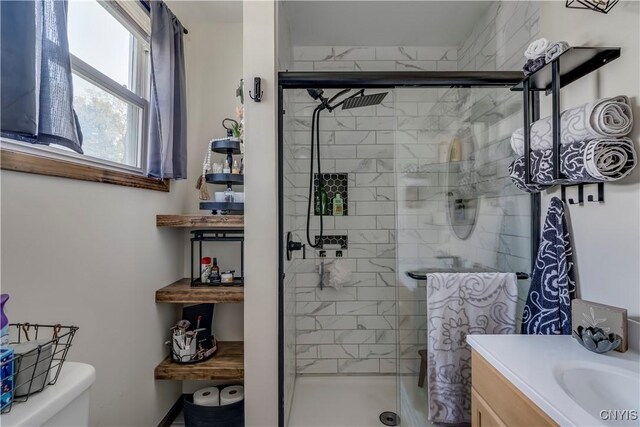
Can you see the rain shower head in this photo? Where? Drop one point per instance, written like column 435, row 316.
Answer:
column 363, row 100
column 356, row 100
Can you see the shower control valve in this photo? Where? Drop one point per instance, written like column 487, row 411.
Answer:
column 294, row 246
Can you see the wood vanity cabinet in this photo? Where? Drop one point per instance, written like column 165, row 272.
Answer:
column 496, row 402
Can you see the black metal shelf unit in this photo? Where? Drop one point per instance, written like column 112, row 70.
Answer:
column 570, row 66
column 225, row 178
column 198, row 237
column 230, row 147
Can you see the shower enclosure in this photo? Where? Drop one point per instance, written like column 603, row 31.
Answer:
column 424, row 179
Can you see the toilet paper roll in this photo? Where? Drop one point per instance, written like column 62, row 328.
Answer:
column 231, row 394
column 209, row 396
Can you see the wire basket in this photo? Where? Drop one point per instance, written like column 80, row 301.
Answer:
column 32, row 369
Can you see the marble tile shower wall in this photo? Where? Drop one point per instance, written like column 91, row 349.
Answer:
column 498, row 42
column 354, row 330
column 397, row 197
column 501, row 238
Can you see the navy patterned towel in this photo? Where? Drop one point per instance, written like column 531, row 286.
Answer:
column 603, row 159
column 553, row 284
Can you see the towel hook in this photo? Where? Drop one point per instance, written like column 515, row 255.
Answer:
column 581, row 200
column 257, row 90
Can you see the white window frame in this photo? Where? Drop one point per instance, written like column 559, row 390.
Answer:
column 139, row 81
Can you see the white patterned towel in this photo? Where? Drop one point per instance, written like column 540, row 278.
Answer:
column 555, row 49
column 536, row 49
column 459, row 304
column 604, row 118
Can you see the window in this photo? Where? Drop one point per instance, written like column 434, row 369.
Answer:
column 110, row 61
column 109, row 46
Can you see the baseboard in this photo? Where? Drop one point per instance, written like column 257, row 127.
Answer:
column 173, row 413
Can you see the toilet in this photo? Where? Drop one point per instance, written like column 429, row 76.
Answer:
column 66, row 403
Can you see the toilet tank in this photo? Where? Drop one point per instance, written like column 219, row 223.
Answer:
column 66, row 403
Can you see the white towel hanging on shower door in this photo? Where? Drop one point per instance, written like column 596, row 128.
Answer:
column 459, row 304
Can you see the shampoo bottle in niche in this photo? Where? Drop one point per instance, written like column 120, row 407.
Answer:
column 317, row 202
column 324, row 202
column 338, row 205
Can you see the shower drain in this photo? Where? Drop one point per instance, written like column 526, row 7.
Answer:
column 389, row 418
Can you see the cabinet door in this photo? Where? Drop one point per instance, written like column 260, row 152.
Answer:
column 481, row 414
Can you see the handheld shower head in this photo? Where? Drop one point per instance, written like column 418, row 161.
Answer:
column 316, row 93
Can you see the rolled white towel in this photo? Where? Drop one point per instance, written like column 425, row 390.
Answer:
column 610, row 159
column 536, row 49
column 603, row 118
column 555, row 49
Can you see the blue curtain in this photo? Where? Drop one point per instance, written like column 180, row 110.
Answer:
column 35, row 74
column 167, row 153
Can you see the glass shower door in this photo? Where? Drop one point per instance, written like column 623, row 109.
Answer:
column 456, row 209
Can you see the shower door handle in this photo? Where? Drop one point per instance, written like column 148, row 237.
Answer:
column 294, row 246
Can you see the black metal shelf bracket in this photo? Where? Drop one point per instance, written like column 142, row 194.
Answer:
column 526, row 95
column 555, row 101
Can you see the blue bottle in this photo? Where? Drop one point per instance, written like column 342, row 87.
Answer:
column 4, row 322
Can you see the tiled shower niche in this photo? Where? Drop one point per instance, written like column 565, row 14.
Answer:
column 334, row 183
column 332, row 240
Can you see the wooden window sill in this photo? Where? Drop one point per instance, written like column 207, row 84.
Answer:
column 30, row 163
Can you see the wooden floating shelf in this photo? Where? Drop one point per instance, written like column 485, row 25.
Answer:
column 226, row 364
column 201, row 221
column 181, row 292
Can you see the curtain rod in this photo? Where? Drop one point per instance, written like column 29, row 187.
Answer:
column 147, row 6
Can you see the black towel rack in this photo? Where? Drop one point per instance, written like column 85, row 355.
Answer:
column 571, row 65
column 420, row 275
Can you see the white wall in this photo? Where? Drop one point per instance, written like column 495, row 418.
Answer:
column 261, row 218
column 606, row 237
column 90, row 255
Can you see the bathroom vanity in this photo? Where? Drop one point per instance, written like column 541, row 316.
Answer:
column 540, row 380
column 495, row 401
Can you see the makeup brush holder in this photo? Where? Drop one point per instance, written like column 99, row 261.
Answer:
column 183, row 351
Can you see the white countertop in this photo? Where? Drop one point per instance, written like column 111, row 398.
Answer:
column 532, row 362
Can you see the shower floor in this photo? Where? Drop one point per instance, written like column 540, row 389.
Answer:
column 356, row 401
column 336, row 401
